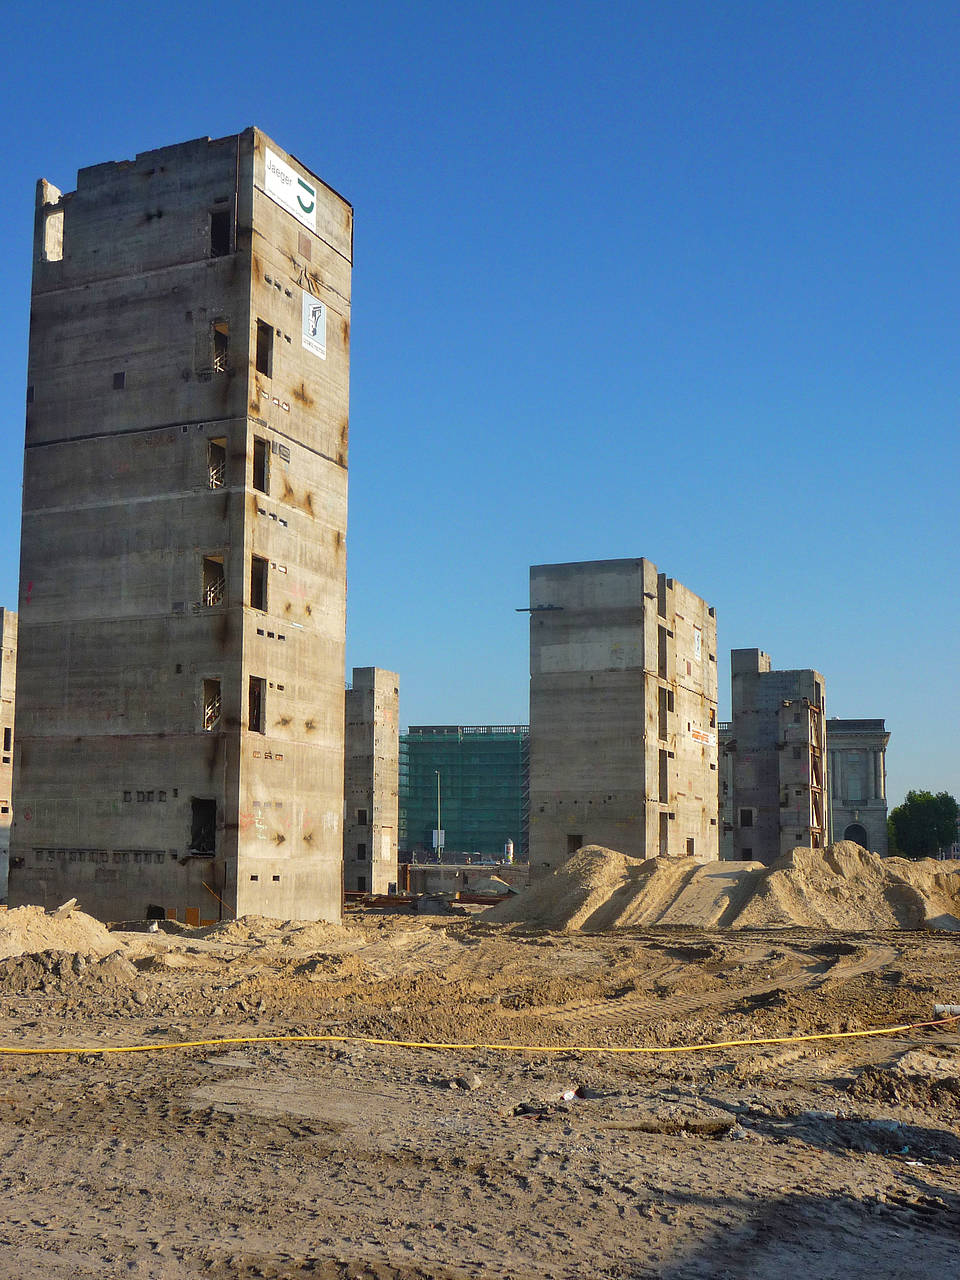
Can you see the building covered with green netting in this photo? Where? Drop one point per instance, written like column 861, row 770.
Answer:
column 476, row 778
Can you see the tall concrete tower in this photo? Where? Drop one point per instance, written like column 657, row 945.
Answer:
column 179, row 732
column 778, row 742
column 623, row 714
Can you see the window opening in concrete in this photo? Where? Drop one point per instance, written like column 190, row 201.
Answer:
column 746, row 817
column 662, row 652
column 261, row 465
column 264, row 349
column 713, row 718
column 217, row 463
column 211, row 704
column 664, row 784
column 221, row 347
column 664, row 841
column 361, row 817
column 258, row 582
column 203, row 825
column 119, row 380
column 219, row 233
column 30, row 394
column 748, row 855
column 574, row 842
column 7, row 738
column 361, row 851
column 662, row 713
column 257, row 705
column 214, row 581
column 662, row 594
column 690, row 847
column 669, row 699
column 276, row 879
column 53, row 236
column 254, row 877
column 127, row 797
column 362, row 884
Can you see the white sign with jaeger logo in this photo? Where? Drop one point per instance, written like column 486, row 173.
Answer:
column 291, row 192
column 314, row 325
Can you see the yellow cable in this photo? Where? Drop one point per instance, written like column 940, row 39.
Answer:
column 504, row 1048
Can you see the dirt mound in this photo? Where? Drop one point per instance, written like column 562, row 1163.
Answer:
column 302, row 935
column 63, row 970
column 31, row 929
column 585, row 884
column 841, row 887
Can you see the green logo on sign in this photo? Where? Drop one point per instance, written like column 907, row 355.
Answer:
column 307, row 208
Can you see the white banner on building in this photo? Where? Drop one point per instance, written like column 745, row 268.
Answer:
column 314, row 325
column 291, row 192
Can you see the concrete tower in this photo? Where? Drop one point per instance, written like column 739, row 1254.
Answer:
column 623, row 714
column 778, row 744
column 370, row 781
column 179, row 738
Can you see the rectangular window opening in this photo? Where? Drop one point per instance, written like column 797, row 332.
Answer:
column 662, row 713
column 264, row 349
column 664, row 779
column 257, row 705
column 217, row 463
column 361, row 852
column 362, row 884
column 690, row 847
column 221, row 347
column 574, row 842
column 662, row 652
column 258, row 583
column 664, row 835
column 7, row 738
column 220, row 233
column 203, row 825
column 361, row 817
column 746, row 817
column 211, row 704
column 214, row 581
column 261, row 465
column 119, row 380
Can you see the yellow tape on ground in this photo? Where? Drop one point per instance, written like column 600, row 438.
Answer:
column 502, row 1048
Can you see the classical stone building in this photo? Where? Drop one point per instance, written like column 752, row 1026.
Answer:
column 777, row 743
column 179, row 744
column 370, row 768
column 856, row 766
column 623, row 713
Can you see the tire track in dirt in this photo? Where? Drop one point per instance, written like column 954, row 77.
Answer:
column 644, row 1009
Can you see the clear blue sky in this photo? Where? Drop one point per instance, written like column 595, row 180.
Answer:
column 667, row 279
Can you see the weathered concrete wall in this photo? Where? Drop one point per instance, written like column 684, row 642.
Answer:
column 766, row 768
column 370, row 780
column 623, row 697
column 144, row 402
column 856, row 752
column 8, row 693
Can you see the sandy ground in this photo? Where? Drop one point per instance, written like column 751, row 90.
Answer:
column 821, row 1159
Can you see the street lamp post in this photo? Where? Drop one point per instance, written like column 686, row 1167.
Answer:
column 439, row 828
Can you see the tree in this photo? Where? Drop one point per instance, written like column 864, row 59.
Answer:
column 924, row 823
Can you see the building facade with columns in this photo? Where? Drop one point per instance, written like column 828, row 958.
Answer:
column 856, row 764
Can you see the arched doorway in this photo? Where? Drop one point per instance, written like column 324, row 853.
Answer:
column 858, row 834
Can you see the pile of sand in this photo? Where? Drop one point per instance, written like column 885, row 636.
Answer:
column 28, row 930
column 841, row 887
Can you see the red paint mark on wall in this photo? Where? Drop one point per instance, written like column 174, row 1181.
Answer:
column 29, row 593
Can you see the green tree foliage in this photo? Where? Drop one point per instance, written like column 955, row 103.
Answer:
column 924, row 823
